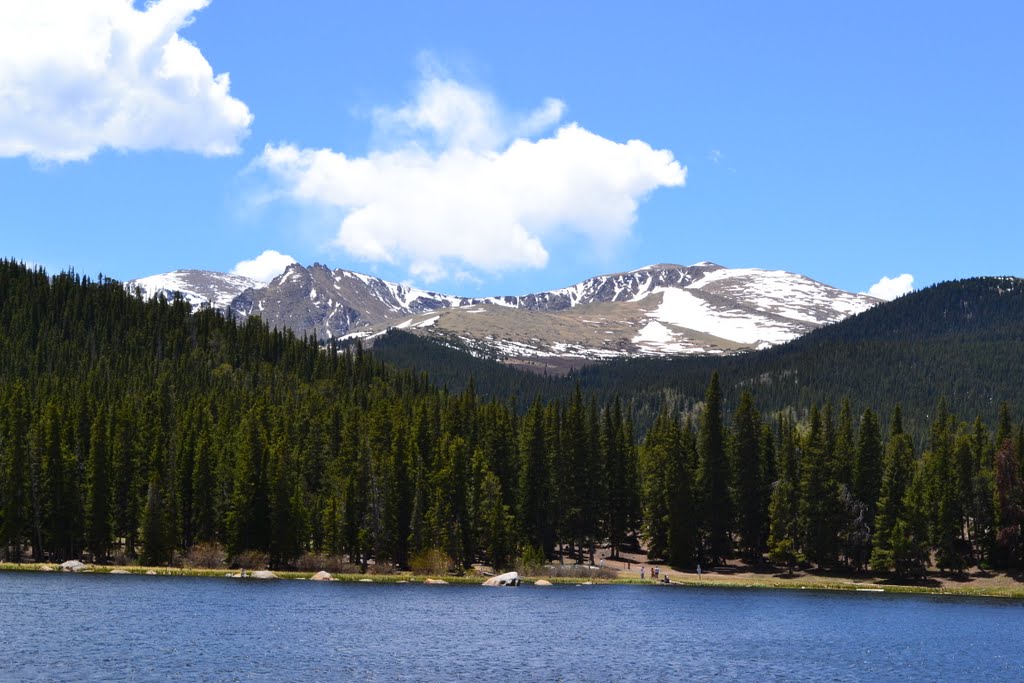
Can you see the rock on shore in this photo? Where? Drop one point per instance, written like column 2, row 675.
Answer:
column 263, row 574
column 506, row 579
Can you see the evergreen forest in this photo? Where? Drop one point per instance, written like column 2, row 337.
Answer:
column 141, row 429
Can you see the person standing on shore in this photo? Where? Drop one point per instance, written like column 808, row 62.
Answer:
column 641, row 571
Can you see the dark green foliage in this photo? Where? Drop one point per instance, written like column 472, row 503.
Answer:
column 820, row 516
column 1009, row 536
column 897, row 474
column 867, row 470
column 98, row 514
column 14, row 469
column 747, row 471
column 714, row 477
column 143, row 428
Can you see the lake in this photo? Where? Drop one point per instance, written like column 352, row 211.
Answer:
column 96, row 627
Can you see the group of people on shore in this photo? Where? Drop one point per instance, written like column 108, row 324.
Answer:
column 655, row 574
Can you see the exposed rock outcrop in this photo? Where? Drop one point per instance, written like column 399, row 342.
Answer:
column 506, row 579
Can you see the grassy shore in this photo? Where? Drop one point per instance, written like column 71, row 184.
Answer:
column 994, row 586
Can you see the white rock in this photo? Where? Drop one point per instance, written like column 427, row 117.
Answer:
column 322, row 576
column 151, row 572
column 506, row 579
column 436, row 582
column 119, row 571
column 541, row 582
column 72, row 566
column 263, row 574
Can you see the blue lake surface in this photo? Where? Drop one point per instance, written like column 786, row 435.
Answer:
column 60, row 627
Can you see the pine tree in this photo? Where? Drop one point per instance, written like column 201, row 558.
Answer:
column 98, row 513
column 618, row 482
column 867, row 479
column 248, row 518
column 157, row 526
column 1009, row 499
column 535, row 483
column 747, row 470
column 683, row 528
column 820, row 518
column 14, row 466
column 897, row 475
column 661, row 449
column 784, row 508
column 942, row 494
column 714, row 476
column 844, row 457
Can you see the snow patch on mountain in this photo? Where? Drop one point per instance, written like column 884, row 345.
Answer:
column 200, row 288
column 685, row 309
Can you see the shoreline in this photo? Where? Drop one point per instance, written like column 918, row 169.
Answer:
column 707, row 580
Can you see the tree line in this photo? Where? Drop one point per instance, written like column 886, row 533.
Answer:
column 141, row 428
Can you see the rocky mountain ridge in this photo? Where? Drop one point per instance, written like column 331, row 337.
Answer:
column 662, row 309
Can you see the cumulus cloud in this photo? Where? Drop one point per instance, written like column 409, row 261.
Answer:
column 464, row 184
column 76, row 77
column 264, row 267
column 888, row 289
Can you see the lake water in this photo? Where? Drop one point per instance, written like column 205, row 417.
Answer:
column 59, row 627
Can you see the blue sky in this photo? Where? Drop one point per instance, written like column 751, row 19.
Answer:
column 479, row 150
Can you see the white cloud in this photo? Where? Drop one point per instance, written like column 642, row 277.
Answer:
column 78, row 76
column 264, row 267
column 463, row 185
column 888, row 289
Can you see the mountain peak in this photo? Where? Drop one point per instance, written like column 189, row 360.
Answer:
column 660, row 309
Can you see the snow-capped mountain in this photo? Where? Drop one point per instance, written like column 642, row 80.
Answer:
column 661, row 309
column 201, row 288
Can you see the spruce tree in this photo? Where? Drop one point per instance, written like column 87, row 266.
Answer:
column 867, row 479
column 535, row 483
column 714, row 477
column 98, row 513
column 897, row 475
column 747, row 470
column 14, row 466
column 820, row 518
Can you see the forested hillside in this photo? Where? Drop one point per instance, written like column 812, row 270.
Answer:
column 140, row 429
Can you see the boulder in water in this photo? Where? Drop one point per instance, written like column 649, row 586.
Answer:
column 72, row 566
column 45, row 568
column 322, row 576
column 541, row 582
column 151, row 572
column 436, row 582
column 506, row 579
column 119, row 571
